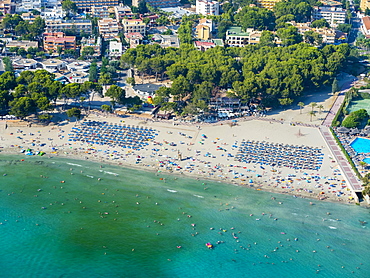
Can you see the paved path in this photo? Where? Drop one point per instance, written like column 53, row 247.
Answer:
column 354, row 183
column 333, row 110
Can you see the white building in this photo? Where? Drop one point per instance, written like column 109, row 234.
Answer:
column 53, row 65
column 81, row 66
column 115, row 49
column 333, row 15
column 24, row 64
column 29, row 5
column 206, row 7
column 55, row 12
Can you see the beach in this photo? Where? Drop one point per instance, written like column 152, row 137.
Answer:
column 206, row 151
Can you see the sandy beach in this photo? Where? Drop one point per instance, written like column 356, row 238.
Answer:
column 202, row 151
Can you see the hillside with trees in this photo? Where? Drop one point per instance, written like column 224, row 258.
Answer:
column 274, row 75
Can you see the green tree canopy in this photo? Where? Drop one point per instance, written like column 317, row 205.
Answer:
column 256, row 18
column 116, row 93
column 69, row 6
column 320, row 23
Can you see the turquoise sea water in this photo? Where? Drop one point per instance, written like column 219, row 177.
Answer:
column 130, row 223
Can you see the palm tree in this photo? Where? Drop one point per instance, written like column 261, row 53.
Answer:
column 312, row 113
column 301, row 105
column 313, row 105
column 366, row 191
column 363, row 164
column 320, row 107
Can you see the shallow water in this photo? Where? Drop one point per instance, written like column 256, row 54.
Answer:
column 130, row 223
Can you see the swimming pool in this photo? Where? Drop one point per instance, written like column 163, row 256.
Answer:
column 361, row 145
column 367, row 160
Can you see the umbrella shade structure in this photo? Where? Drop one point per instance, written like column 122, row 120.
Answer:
column 343, row 129
column 103, row 133
column 354, row 131
column 291, row 156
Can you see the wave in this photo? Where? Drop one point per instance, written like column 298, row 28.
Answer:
column 173, row 191
column 109, row 173
column 333, row 228
column 198, row 196
column 74, row 164
column 90, row 176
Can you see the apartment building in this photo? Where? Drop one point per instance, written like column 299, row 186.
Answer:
column 59, row 25
column 50, row 4
column 328, row 35
column 134, row 39
column 29, row 5
column 202, row 32
column 152, row 19
column 55, row 12
column 333, row 15
column 86, row 5
column 91, row 42
column 7, row 6
column 30, row 17
column 21, row 44
column 133, row 26
column 122, row 12
column 115, row 49
column 108, row 28
column 159, row 3
column 206, row 7
column 166, row 40
column 208, row 22
column 100, row 12
column 364, row 4
column 53, row 41
column 236, row 37
column 267, row 4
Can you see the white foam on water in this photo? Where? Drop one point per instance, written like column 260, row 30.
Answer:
column 110, row 173
column 198, row 196
column 90, row 176
column 333, row 228
column 170, row 190
column 74, row 164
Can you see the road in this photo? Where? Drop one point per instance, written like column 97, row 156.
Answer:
column 356, row 24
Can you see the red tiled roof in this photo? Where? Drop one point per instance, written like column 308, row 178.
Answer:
column 134, row 34
column 366, row 21
column 198, row 43
column 65, row 39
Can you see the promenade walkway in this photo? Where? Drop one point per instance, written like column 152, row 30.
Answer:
column 354, row 183
column 333, row 110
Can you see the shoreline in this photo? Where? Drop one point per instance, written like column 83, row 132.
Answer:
column 152, row 168
column 205, row 151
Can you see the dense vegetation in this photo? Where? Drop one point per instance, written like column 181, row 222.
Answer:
column 354, row 119
column 275, row 75
column 35, row 92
